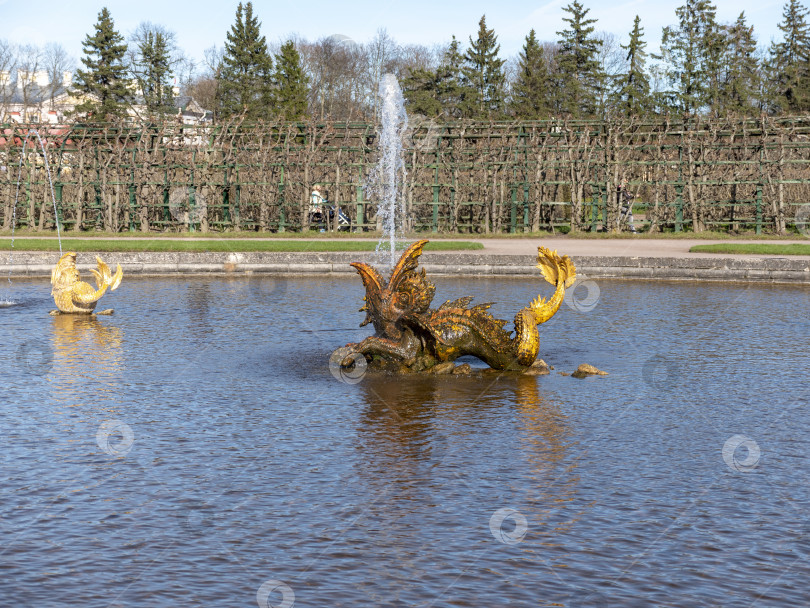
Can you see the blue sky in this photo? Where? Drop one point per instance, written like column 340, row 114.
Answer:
column 204, row 23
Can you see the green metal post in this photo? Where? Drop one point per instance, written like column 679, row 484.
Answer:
column 434, row 225
column 679, row 190
column 132, row 205
column 679, row 208
column 759, row 209
column 361, row 219
column 166, row 214
column 604, row 199
column 513, row 211
column 526, row 227
column 226, row 197
column 132, row 199
column 192, row 192
column 58, row 196
column 282, row 218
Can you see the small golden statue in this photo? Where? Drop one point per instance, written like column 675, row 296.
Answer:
column 77, row 297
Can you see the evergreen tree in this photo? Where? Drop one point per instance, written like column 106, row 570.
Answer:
column 634, row 90
column 580, row 77
column 244, row 82
column 788, row 61
column 439, row 92
column 741, row 77
column 420, row 88
column 453, row 92
column 691, row 52
column 483, row 74
column 154, row 72
column 530, row 91
column 291, row 83
column 103, row 85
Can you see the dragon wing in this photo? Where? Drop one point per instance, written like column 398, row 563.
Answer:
column 372, row 281
column 407, row 262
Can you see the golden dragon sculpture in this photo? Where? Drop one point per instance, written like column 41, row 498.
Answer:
column 74, row 296
column 412, row 337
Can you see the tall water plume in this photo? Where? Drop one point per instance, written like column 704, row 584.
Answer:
column 386, row 179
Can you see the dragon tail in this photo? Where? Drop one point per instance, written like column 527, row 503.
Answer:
column 560, row 272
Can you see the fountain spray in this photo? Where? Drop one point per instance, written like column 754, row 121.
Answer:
column 388, row 175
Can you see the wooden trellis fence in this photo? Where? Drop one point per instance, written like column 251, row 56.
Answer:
column 477, row 177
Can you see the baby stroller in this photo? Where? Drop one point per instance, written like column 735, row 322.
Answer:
column 319, row 204
column 343, row 220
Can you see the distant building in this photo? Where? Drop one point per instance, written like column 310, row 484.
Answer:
column 35, row 99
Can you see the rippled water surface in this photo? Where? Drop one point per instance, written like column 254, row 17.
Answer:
column 195, row 450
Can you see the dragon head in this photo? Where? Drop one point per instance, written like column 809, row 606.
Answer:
column 407, row 292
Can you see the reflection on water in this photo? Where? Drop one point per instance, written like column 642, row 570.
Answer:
column 194, row 448
column 85, row 350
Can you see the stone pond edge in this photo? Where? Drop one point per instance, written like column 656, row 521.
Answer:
column 765, row 269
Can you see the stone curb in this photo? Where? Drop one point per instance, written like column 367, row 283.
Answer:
column 771, row 269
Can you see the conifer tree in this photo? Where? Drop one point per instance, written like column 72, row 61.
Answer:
column 244, row 82
column 788, row 61
column 439, row 92
column 154, row 72
column 453, row 92
column 290, row 82
column 103, row 85
column 420, row 88
column 483, row 74
column 634, row 90
column 530, row 93
column 580, row 77
column 741, row 77
column 691, row 52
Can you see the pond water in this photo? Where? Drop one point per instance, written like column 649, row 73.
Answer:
column 195, row 450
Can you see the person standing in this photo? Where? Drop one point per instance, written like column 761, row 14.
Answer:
column 316, row 201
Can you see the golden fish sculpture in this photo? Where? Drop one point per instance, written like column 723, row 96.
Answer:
column 73, row 296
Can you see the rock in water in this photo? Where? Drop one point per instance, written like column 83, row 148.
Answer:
column 585, row 370
column 443, row 368
column 538, row 368
column 462, row 370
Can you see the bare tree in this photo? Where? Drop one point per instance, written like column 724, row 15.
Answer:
column 335, row 69
column 202, row 83
column 8, row 64
column 56, row 62
column 613, row 60
column 29, row 63
column 381, row 55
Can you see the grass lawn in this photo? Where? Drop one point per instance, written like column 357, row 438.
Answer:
column 760, row 248
column 282, row 245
